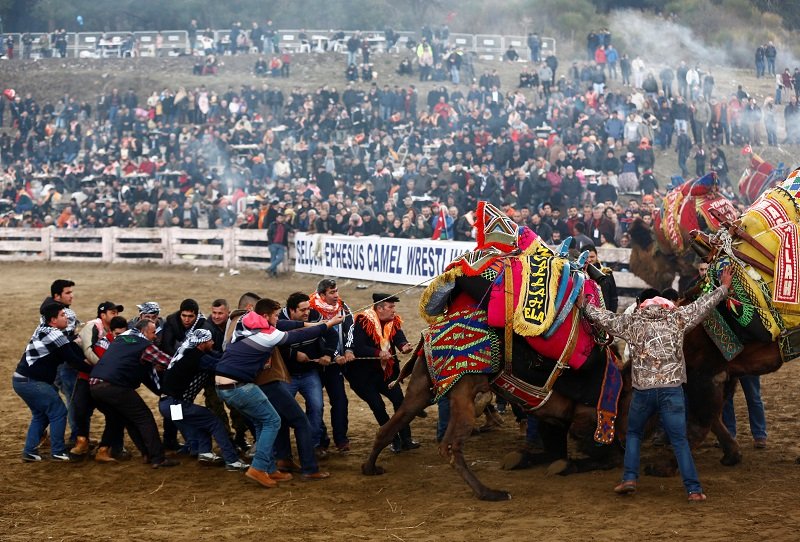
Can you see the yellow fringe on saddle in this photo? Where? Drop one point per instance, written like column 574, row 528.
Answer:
column 440, row 286
column 772, row 221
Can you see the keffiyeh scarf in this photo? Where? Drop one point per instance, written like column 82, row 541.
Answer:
column 44, row 341
column 149, row 307
column 193, row 339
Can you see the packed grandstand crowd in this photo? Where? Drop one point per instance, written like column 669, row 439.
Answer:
column 553, row 148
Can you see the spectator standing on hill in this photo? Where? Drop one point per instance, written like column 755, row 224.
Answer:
column 759, row 60
column 769, row 54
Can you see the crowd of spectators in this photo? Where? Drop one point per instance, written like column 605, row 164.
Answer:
column 553, row 149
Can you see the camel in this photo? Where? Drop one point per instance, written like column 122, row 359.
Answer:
column 559, row 418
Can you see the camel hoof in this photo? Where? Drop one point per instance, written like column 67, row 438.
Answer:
column 560, row 467
column 515, row 460
column 495, row 495
column 372, row 470
column 731, row 460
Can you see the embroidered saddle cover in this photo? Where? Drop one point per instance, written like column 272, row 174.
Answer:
column 772, row 244
column 759, row 176
column 689, row 207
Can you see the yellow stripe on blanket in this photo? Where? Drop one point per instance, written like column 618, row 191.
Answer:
column 773, row 222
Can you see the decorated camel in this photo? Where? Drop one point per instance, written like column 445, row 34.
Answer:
column 755, row 331
column 661, row 252
column 503, row 317
column 513, row 290
column 758, row 176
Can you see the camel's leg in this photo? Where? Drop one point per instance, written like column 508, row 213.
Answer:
column 731, row 452
column 418, row 395
column 598, row 457
column 462, row 420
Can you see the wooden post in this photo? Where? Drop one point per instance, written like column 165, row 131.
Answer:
column 228, row 248
column 47, row 243
column 166, row 243
column 109, row 236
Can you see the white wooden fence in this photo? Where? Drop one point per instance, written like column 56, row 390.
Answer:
column 231, row 248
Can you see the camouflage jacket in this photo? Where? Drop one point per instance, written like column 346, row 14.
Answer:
column 655, row 336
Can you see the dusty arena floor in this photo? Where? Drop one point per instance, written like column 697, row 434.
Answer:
column 420, row 498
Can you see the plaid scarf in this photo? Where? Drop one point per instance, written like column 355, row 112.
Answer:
column 44, row 341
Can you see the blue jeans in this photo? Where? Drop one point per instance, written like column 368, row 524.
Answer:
column 669, row 404
column 532, row 430
column 47, row 409
column 291, row 416
column 67, row 376
column 251, row 401
column 277, row 253
column 310, row 387
column 751, row 386
column 198, row 425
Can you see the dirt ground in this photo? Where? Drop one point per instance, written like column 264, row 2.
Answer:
column 421, row 498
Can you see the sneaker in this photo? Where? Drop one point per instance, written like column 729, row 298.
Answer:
column 210, row 459
column 410, row 445
column 166, row 463
column 697, row 497
column 31, row 458
column 343, row 448
column 760, row 443
column 59, row 457
column 236, row 466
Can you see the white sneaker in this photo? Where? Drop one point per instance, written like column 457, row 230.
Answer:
column 237, row 466
column 31, row 458
column 59, row 457
column 209, row 458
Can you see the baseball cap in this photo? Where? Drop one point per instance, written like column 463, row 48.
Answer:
column 108, row 306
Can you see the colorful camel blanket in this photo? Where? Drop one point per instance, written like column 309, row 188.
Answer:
column 759, row 176
column 772, row 243
column 694, row 205
column 461, row 343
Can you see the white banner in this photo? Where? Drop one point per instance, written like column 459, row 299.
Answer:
column 381, row 259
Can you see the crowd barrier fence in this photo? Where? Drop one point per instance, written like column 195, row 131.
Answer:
column 235, row 248
column 488, row 47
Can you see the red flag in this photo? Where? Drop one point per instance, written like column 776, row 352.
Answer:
column 440, row 225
